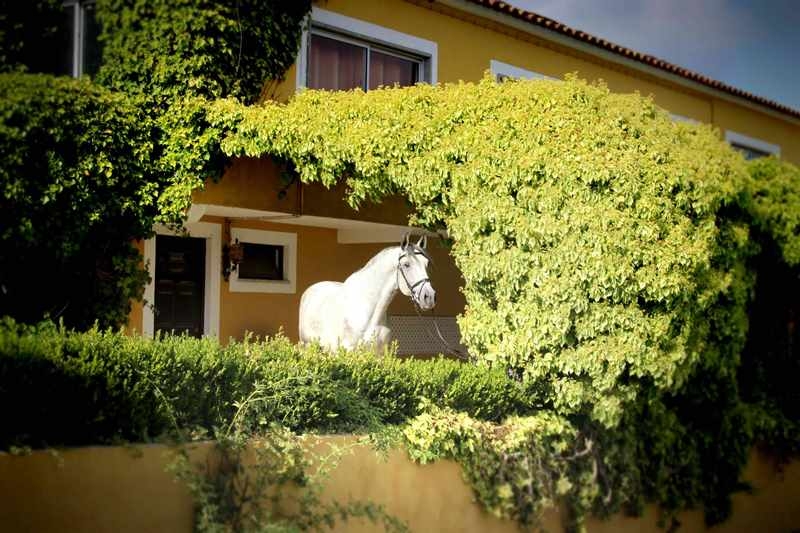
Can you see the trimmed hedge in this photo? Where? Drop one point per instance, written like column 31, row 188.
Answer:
column 70, row 388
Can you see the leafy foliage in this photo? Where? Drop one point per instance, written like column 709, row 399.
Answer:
column 104, row 386
column 75, row 176
column 615, row 262
column 247, row 482
column 172, row 58
column 164, row 50
column 770, row 359
column 776, row 204
column 92, row 167
column 621, row 248
column 517, row 469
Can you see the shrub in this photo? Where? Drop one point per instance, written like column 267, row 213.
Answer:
column 621, row 248
column 776, row 204
column 71, row 388
column 616, row 243
column 90, row 168
column 74, row 196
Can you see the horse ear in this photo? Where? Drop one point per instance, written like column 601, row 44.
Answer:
column 423, row 242
column 404, row 242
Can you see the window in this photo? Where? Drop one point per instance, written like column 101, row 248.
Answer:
column 683, row 118
column 341, row 53
column 337, row 63
column 261, row 261
column 504, row 71
column 80, row 52
column 751, row 147
column 269, row 264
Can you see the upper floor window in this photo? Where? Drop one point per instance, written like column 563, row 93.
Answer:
column 340, row 53
column 503, row 71
column 80, row 52
column 751, row 147
column 338, row 63
column 683, row 118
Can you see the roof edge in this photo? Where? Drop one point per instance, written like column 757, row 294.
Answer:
column 549, row 29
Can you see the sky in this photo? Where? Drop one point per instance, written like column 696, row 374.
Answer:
column 750, row 44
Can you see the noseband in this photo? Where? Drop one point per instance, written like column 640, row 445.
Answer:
column 422, row 281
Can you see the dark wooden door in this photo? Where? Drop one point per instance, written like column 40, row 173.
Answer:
column 180, row 284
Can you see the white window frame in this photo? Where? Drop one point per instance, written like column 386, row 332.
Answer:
column 355, row 31
column 746, row 141
column 212, row 233
column 683, row 118
column 498, row 68
column 274, row 238
column 77, row 34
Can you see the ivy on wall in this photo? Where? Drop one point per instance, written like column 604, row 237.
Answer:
column 75, row 175
column 613, row 264
column 93, row 165
column 607, row 254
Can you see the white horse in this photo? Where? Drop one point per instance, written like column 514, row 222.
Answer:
column 354, row 312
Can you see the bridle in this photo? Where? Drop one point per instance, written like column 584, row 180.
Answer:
column 420, row 282
column 415, row 300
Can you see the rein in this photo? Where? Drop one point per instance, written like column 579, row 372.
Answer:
column 417, row 308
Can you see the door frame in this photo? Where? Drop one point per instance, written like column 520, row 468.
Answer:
column 212, row 233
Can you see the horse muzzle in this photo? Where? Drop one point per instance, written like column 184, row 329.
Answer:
column 426, row 299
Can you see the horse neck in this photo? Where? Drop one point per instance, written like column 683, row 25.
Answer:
column 376, row 284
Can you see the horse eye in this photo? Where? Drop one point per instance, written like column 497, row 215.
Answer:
column 406, row 264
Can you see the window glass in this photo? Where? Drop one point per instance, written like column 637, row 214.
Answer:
column 91, row 44
column 66, row 43
column 748, row 152
column 261, row 261
column 388, row 70
column 336, row 65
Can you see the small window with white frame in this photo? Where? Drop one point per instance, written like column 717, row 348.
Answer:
column 342, row 53
column 503, row 72
column 750, row 147
column 269, row 262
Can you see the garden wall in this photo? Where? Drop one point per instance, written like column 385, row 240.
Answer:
column 125, row 488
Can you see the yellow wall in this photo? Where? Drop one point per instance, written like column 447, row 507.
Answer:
column 466, row 45
column 319, row 258
column 121, row 489
column 256, row 184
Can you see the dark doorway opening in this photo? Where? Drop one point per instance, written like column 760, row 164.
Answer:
column 180, row 285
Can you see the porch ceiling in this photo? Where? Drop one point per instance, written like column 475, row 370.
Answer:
column 348, row 231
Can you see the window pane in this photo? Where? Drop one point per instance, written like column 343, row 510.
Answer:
column 91, row 44
column 336, row 65
column 261, row 261
column 748, row 152
column 388, row 70
column 66, row 42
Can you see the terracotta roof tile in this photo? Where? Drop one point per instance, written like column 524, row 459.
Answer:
column 554, row 25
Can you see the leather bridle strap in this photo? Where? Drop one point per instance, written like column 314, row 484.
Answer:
column 421, row 281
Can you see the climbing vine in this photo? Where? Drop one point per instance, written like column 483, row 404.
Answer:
column 607, row 256
column 615, row 265
column 608, row 253
column 94, row 164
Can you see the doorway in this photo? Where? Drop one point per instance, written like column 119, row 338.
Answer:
column 180, row 275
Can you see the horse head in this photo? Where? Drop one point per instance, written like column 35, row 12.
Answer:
column 412, row 273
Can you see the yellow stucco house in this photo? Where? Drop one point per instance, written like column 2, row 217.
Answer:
column 296, row 235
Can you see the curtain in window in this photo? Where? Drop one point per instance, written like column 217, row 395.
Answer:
column 385, row 69
column 336, row 65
